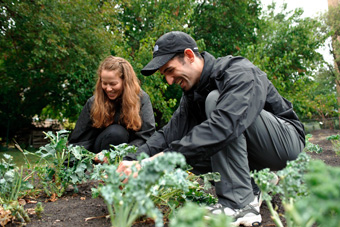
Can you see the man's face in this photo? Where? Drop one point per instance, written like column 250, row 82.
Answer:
column 181, row 72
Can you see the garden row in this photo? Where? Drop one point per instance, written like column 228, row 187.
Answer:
column 307, row 187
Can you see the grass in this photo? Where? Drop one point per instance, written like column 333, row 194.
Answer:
column 18, row 156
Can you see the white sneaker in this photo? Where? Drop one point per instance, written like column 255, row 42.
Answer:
column 247, row 216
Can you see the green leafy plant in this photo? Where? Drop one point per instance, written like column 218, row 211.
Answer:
column 61, row 164
column 13, row 185
column 290, row 187
column 39, row 209
column 321, row 206
column 198, row 193
column 335, row 140
column 18, row 212
column 173, row 198
column 115, row 154
column 128, row 201
column 310, row 147
column 192, row 214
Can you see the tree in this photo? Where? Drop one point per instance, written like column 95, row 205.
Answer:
column 226, row 26
column 50, row 51
column 140, row 24
column 333, row 20
column 286, row 49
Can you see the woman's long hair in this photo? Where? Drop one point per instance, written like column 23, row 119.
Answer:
column 103, row 109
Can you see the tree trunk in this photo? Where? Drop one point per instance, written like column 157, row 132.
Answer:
column 335, row 3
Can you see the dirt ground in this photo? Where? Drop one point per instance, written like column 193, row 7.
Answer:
column 82, row 210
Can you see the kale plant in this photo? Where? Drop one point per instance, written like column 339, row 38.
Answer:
column 128, row 201
column 290, row 187
column 61, row 165
column 116, row 153
column 194, row 215
column 322, row 206
column 310, row 147
column 335, row 140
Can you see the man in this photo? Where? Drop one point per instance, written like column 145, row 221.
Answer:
column 230, row 120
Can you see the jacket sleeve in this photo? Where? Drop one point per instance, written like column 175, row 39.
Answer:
column 148, row 121
column 160, row 140
column 84, row 134
column 243, row 89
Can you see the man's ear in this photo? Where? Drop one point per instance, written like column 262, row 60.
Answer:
column 188, row 53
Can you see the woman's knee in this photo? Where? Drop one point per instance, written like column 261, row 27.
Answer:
column 116, row 133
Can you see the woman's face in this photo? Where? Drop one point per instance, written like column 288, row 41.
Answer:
column 112, row 84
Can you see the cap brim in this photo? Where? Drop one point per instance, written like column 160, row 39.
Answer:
column 156, row 63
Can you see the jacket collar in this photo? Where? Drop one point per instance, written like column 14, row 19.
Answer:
column 209, row 62
column 203, row 88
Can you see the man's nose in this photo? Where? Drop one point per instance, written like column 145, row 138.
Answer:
column 169, row 79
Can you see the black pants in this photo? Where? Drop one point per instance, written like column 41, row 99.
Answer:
column 268, row 143
column 114, row 134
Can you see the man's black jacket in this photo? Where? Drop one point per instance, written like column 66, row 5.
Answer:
column 244, row 91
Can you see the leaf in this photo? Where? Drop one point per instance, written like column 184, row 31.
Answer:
column 8, row 157
column 77, row 152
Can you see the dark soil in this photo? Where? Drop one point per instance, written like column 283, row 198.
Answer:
column 76, row 209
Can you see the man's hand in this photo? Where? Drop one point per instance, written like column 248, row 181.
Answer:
column 125, row 167
column 97, row 160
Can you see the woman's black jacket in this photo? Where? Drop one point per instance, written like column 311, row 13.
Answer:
column 84, row 134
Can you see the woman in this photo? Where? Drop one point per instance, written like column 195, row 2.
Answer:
column 118, row 112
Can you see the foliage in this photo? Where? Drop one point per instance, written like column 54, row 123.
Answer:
column 41, row 68
column 321, row 206
column 333, row 137
column 193, row 215
column 174, row 198
column 60, row 164
column 12, row 185
column 49, row 68
column 115, row 154
column 335, row 140
column 162, row 194
column 12, row 181
column 333, row 20
column 290, row 187
column 324, row 94
column 39, row 209
column 128, row 201
column 310, row 147
column 226, row 26
column 18, row 212
column 308, row 191
column 286, row 49
column 138, row 24
column 207, row 178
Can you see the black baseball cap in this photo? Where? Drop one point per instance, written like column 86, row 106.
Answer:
column 166, row 47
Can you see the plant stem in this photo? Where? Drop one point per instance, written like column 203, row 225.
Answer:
column 275, row 215
column 109, row 207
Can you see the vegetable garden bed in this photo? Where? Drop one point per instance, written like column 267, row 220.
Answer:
column 80, row 209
